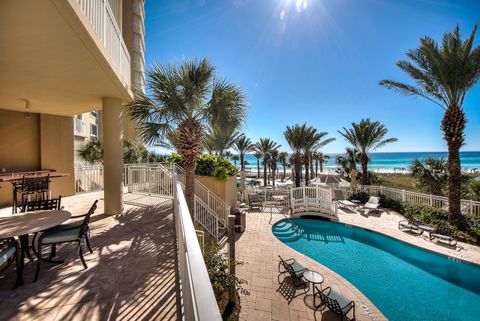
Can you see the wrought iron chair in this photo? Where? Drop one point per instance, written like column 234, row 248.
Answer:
column 445, row 234
column 31, row 186
column 9, row 252
column 336, row 303
column 254, row 202
column 293, row 268
column 66, row 233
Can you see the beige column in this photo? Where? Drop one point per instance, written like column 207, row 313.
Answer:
column 112, row 154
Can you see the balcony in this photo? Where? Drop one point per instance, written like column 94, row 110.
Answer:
column 79, row 127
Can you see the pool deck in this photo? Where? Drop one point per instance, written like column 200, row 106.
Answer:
column 267, row 299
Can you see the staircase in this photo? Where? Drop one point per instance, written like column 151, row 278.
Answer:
column 210, row 211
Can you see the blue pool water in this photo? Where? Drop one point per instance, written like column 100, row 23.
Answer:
column 405, row 282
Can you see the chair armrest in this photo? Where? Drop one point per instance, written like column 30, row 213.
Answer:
column 60, row 228
column 327, row 290
column 78, row 216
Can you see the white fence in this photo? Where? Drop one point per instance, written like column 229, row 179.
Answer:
column 315, row 200
column 468, row 207
column 88, row 178
column 102, row 19
column 197, row 297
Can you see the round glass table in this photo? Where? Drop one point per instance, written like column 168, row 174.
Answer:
column 313, row 278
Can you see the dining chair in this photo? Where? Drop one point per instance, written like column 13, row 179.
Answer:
column 9, row 252
column 66, row 233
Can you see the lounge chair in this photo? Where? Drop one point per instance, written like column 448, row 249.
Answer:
column 373, row 204
column 411, row 225
column 342, row 201
column 10, row 251
column 445, row 234
column 336, row 303
column 293, row 268
column 254, row 202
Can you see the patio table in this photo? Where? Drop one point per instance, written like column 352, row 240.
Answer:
column 312, row 278
column 31, row 222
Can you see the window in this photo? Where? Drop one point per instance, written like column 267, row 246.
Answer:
column 93, row 131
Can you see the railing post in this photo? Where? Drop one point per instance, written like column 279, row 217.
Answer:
column 231, row 243
column 403, row 195
column 149, row 176
column 431, row 200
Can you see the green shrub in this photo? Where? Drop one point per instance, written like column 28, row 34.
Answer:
column 427, row 214
column 215, row 166
column 386, row 202
column 363, row 197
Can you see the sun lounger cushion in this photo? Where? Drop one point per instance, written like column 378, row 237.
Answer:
column 346, row 203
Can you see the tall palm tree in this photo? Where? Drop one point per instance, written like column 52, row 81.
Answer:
column 283, row 158
column 188, row 98
column 444, row 75
column 366, row 137
column 243, row 145
column 295, row 136
column 322, row 159
column 313, row 140
column 265, row 146
column 274, row 157
column 257, row 156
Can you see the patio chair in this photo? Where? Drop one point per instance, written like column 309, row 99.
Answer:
column 444, row 234
column 411, row 225
column 294, row 269
column 336, row 302
column 39, row 187
column 254, row 202
column 9, row 252
column 66, row 233
column 373, row 204
column 340, row 198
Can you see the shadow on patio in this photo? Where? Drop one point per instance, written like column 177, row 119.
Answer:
column 131, row 274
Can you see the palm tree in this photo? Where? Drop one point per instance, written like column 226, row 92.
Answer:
column 282, row 158
column 257, row 156
column 187, row 98
column 313, row 140
column 322, row 158
column 235, row 158
column 431, row 174
column 444, row 75
column 243, row 145
column 348, row 161
column 219, row 139
column 274, row 157
column 295, row 136
column 366, row 137
column 265, row 146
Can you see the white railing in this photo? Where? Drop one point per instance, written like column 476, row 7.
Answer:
column 208, row 197
column 158, row 179
column 468, row 207
column 101, row 18
column 88, row 178
column 315, row 200
column 197, row 296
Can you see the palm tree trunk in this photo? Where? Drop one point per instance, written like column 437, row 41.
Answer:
column 306, row 171
column 364, row 161
column 321, row 166
column 298, row 169
column 453, row 126
column 242, row 173
column 273, row 175
column 284, row 172
column 190, row 145
column 311, row 167
column 258, row 168
column 316, row 168
column 264, row 173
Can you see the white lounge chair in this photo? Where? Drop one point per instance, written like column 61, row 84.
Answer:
column 373, row 204
column 342, row 201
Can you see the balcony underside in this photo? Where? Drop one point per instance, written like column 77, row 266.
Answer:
column 51, row 56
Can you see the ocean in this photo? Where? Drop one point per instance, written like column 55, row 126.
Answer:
column 390, row 161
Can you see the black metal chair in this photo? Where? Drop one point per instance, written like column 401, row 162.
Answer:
column 444, row 234
column 336, row 303
column 31, row 186
column 40, row 205
column 254, row 202
column 9, row 252
column 411, row 225
column 66, row 233
column 294, row 269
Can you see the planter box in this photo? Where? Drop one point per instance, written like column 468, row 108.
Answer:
column 226, row 190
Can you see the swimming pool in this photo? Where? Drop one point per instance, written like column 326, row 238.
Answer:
column 404, row 282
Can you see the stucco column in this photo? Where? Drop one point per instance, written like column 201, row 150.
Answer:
column 112, row 154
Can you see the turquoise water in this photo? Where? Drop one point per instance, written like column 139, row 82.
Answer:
column 469, row 160
column 405, row 282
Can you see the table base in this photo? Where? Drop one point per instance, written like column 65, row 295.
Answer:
column 309, row 302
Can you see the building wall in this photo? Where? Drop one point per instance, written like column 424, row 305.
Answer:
column 226, row 190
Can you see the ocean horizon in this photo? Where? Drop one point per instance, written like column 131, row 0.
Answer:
column 393, row 160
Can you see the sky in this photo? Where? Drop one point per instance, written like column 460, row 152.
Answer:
column 317, row 61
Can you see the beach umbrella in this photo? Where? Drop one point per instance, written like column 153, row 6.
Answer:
column 353, row 179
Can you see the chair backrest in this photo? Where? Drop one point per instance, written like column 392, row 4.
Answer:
column 34, row 184
column 374, row 200
column 288, row 267
column 253, row 198
column 42, row 205
column 445, row 230
column 86, row 219
column 338, row 194
column 332, row 304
